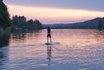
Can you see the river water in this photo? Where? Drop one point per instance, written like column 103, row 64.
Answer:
column 78, row 49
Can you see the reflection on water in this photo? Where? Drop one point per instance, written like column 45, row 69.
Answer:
column 4, row 40
column 62, row 36
column 19, row 36
column 78, row 50
column 99, row 36
column 22, row 36
column 4, row 37
column 3, row 57
column 49, row 53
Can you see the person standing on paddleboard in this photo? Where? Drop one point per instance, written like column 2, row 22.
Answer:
column 49, row 35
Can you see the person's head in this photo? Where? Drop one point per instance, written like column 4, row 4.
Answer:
column 48, row 27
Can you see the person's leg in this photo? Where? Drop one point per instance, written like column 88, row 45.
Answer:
column 50, row 39
column 47, row 39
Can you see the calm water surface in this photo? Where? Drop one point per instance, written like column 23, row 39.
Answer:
column 78, row 50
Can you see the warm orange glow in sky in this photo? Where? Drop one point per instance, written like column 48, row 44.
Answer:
column 54, row 15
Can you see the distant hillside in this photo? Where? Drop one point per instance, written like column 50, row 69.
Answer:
column 90, row 24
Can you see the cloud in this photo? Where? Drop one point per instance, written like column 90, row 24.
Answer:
column 74, row 4
column 53, row 15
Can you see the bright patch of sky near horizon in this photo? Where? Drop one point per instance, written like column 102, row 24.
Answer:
column 53, row 12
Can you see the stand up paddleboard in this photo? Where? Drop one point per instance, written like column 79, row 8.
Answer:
column 52, row 43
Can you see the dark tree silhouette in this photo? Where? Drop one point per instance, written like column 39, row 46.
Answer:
column 21, row 22
column 4, row 16
column 100, row 24
column 4, row 23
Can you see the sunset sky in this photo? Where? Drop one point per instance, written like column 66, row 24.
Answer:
column 57, row 11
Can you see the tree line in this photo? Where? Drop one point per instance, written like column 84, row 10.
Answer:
column 20, row 22
column 16, row 21
column 101, row 24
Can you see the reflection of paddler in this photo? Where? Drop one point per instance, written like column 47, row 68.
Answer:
column 49, row 52
column 48, row 34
